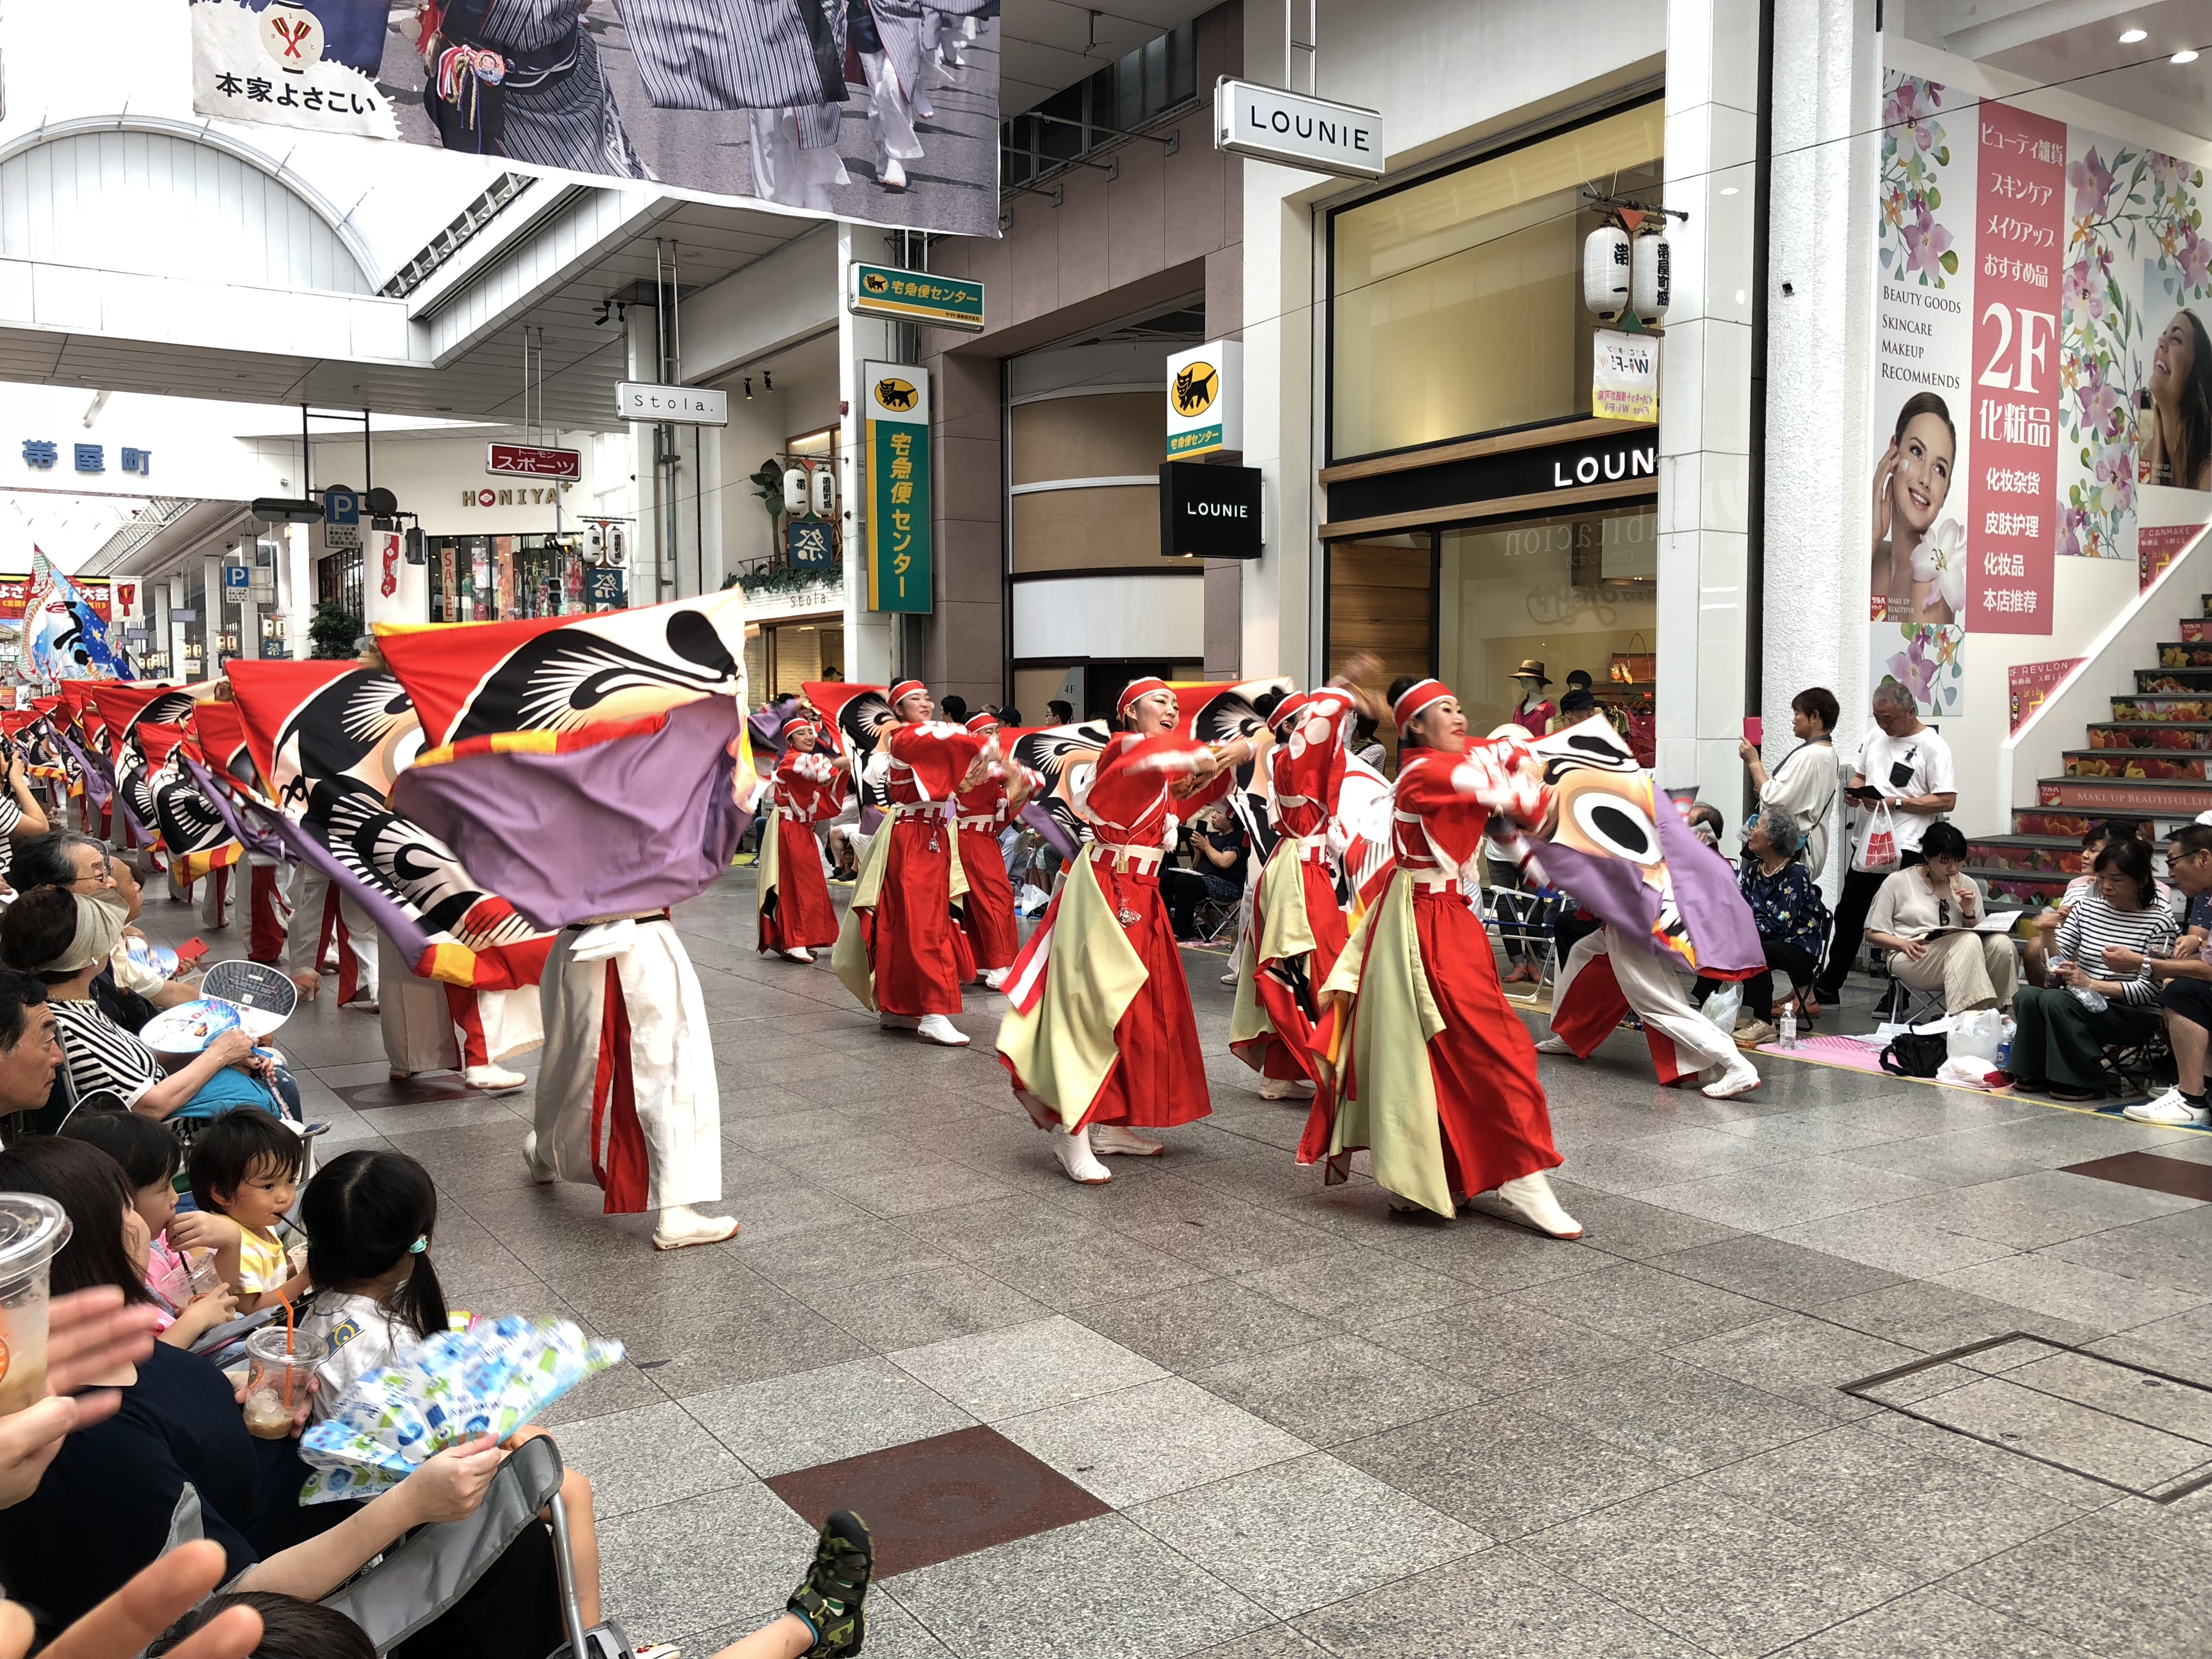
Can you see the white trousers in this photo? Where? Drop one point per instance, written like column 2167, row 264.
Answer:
column 670, row 1062
column 1655, row 992
column 417, row 1022
column 303, row 934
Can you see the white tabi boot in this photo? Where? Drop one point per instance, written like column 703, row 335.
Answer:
column 939, row 1030
column 493, row 1079
column 1556, row 1045
column 799, row 953
column 540, row 1174
column 1531, row 1202
column 1120, row 1138
column 1073, row 1151
column 1738, row 1077
column 680, row 1225
column 995, row 979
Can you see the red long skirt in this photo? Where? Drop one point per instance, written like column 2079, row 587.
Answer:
column 1290, row 1052
column 921, row 957
column 799, row 914
column 1483, row 1064
column 986, row 914
column 1159, row 1079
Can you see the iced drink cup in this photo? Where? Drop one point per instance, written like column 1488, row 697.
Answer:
column 276, row 1381
column 33, row 1230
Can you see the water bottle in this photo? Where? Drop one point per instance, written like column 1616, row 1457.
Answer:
column 1789, row 1037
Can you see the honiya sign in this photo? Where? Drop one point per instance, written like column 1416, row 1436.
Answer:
column 1271, row 125
column 534, row 461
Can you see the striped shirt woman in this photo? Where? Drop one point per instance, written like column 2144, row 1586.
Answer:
column 2064, row 1028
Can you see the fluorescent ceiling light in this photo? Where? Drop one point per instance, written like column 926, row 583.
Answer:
column 2183, row 58
column 2132, row 36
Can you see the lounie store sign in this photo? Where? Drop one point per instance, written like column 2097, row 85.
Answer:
column 1270, row 125
column 1522, row 476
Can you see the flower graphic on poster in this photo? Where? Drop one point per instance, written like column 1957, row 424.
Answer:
column 2127, row 209
column 1913, row 155
column 1926, row 660
column 1940, row 559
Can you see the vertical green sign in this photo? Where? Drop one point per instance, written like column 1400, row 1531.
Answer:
column 900, row 575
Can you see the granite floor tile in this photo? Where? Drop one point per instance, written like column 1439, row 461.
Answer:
column 1935, row 1318
column 1679, row 1416
column 780, row 1424
column 1914, row 1510
column 1269, row 1642
column 1335, row 1389
column 1630, row 1228
column 724, row 1557
column 1495, row 1351
column 1116, row 1592
column 1787, row 1195
column 2022, row 1419
column 906, row 1307
column 2152, row 1400
column 1357, row 1287
column 649, row 1456
column 1203, row 1325
column 1641, row 1303
column 1296, row 1536
column 1934, row 1624
column 1495, row 1605
column 2044, row 1206
column 1150, row 1440
column 909, row 1188
column 1891, row 1239
column 1777, row 1271
column 1733, row 1579
column 1801, row 1357
column 1483, row 1253
column 998, row 1374
column 2066, row 1290
column 1508, row 1469
column 2107, row 1582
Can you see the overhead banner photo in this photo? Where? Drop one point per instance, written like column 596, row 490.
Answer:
column 2039, row 353
column 883, row 111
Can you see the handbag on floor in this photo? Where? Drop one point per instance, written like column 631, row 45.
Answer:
column 1914, row 1053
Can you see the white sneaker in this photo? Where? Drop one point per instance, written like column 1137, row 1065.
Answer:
column 995, row 979
column 1739, row 1076
column 799, row 953
column 941, row 1030
column 680, row 1225
column 1556, row 1045
column 898, row 1022
column 539, row 1173
column 494, row 1079
column 1120, row 1138
column 2170, row 1108
column 1531, row 1200
column 1073, row 1151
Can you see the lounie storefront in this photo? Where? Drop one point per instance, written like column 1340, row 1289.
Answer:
column 1477, row 516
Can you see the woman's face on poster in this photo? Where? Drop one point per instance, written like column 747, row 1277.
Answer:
column 1922, row 482
column 2172, row 359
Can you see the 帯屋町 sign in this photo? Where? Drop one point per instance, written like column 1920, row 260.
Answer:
column 1209, row 512
column 1270, row 125
column 678, row 406
column 534, row 461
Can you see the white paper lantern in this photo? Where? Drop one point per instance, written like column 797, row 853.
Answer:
column 1651, row 288
column 617, row 546
column 595, row 543
column 794, row 491
column 824, row 484
column 1605, row 272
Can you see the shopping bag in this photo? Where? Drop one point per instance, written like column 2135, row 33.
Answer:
column 1724, row 1005
column 1977, row 1036
column 1877, row 848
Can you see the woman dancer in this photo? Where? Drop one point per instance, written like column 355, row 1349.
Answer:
column 1434, row 1074
column 796, row 917
column 987, row 913
column 1101, row 1040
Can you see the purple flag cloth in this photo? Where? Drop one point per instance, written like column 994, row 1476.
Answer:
column 406, row 932
column 1034, row 815
column 254, row 840
column 99, row 784
column 621, row 827
column 1712, row 903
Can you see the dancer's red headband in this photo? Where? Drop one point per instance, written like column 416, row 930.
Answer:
column 1408, row 708
column 1137, row 689
column 902, row 690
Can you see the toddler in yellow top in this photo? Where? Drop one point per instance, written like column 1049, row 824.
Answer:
column 246, row 1165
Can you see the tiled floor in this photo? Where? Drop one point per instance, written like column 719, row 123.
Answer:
column 1315, row 1428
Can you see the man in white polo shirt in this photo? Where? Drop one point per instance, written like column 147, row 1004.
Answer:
column 1909, row 765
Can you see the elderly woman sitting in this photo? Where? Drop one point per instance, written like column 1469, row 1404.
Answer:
column 1917, row 916
column 1792, row 921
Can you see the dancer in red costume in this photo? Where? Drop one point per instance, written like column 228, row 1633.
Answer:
column 1298, row 928
column 901, row 951
column 796, row 915
column 1434, row 1074
column 1100, row 1039
column 986, row 914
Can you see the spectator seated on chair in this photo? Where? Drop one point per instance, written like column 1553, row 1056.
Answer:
column 2095, row 1000
column 1792, row 922
column 2185, row 981
column 1917, row 917
column 1219, row 849
column 2094, row 841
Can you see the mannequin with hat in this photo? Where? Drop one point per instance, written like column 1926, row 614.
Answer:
column 796, row 916
column 1434, row 1072
column 1101, row 1040
column 1533, row 712
column 987, row 914
column 901, row 951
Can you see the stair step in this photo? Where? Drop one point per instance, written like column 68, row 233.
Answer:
column 2196, row 632
column 2164, row 766
column 2163, row 708
column 2136, row 735
column 2033, row 891
column 2056, row 824
column 2059, row 857
column 2184, row 653
column 2135, row 797
column 2172, row 682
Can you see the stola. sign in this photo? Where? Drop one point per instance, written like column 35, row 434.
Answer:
column 534, row 461
column 1270, row 125
column 676, row 405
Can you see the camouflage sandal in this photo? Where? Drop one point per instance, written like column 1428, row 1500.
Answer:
column 837, row 1586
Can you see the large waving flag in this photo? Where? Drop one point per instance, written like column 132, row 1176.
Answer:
column 64, row 638
column 585, row 766
column 329, row 739
column 195, row 834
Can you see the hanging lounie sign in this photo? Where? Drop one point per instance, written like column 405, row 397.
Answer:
column 896, row 450
column 1270, row 125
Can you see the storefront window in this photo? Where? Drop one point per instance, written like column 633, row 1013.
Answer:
column 1472, row 604
column 499, row 578
column 1456, row 301
column 337, row 581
